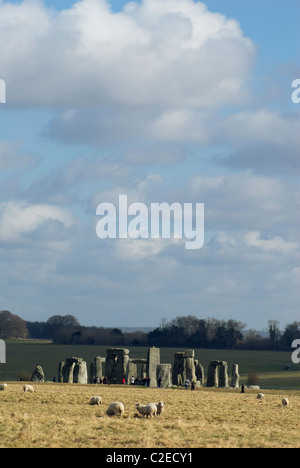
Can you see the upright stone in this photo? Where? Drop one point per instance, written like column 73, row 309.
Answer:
column 152, row 363
column 213, row 374
column 178, row 377
column 235, row 377
column 189, row 366
column 117, row 361
column 38, row 375
column 61, row 372
column 131, row 371
column 223, row 374
column 164, row 375
column 80, row 374
column 96, row 368
column 199, row 370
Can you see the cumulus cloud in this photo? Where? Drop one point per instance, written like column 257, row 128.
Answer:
column 20, row 218
column 173, row 53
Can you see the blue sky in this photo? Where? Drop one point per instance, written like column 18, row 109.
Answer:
column 163, row 101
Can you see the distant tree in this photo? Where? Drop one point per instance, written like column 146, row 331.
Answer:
column 291, row 333
column 58, row 322
column 274, row 333
column 12, row 326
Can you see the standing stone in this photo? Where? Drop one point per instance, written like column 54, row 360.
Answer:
column 235, row 377
column 184, row 367
column 38, row 375
column 74, row 370
column 164, row 373
column 61, row 372
column 80, row 374
column 143, row 371
column 213, row 374
column 131, row 371
column 117, row 361
column 223, row 374
column 199, row 370
column 178, row 377
column 96, row 368
column 152, row 363
column 189, row 366
column 121, row 368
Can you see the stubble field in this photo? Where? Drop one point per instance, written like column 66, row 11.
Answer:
column 59, row 416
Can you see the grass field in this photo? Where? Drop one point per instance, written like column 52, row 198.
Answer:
column 269, row 365
column 59, row 416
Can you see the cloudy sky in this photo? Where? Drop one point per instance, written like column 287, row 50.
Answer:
column 164, row 101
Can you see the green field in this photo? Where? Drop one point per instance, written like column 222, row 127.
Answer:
column 269, row 365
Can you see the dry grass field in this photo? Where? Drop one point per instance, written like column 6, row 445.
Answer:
column 59, row 416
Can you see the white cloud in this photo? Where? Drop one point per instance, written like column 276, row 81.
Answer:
column 19, row 218
column 169, row 53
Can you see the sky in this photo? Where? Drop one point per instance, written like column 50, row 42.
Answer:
column 163, row 101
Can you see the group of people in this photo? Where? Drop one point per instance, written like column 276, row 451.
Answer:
column 101, row 380
column 136, row 381
column 187, row 385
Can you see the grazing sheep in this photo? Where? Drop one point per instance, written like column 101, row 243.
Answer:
column 285, row 402
column 115, row 408
column 96, row 400
column 3, row 387
column 160, row 407
column 147, row 410
column 28, row 388
column 260, row 396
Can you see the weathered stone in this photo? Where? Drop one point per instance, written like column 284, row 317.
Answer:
column 190, row 369
column 74, row 370
column 235, row 377
column 117, row 361
column 144, row 371
column 199, row 370
column 213, row 374
column 80, row 374
column 152, row 363
column 131, row 371
column 164, row 374
column 60, row 372
column 97, row 368
column 223, row 374
column 178, row 369
column 184, row 367
column 38, row 375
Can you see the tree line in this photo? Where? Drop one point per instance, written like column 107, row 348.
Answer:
column 181, row 332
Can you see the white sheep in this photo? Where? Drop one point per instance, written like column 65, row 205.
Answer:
column 28, row 388
column 260, row 396
column 115, row 408
column 160, row 407
column 285, row 402
column 147, row 410
column 3, row 387
column 96, row 400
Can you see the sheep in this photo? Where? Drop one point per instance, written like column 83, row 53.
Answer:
column 115, row 408
column 160, row 407
column 28, row 388
column 285, row 402
column 96, row 400
column 147, row 410
column 3, row 387
column 260, row 396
